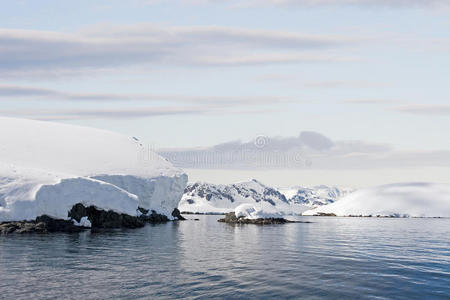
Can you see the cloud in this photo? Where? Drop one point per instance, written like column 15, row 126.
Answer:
column 310, row 150
column 154, row 105
column 21, row 91
column 425, row 109
column 298, row 81
column 315, row 140
column 313, row 3
column 375, row 3
column 342, row 83
column 132, row 112
column 370, row 101
column 13, row 92
column 35, row 52
column 85, row 114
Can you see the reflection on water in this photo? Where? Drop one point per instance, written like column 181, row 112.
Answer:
column 334, row 257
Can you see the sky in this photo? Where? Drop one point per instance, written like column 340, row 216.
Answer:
column 344, row 92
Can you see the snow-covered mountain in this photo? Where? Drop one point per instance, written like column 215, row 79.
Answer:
column 315, row 196
column 217, row 198
column 404, row 199
column 46, row 168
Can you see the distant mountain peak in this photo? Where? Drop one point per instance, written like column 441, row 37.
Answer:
column 218, row 198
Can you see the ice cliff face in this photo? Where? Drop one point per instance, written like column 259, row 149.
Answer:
column 45, row 168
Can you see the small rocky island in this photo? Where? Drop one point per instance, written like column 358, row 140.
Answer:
column 248, row 214
column 232, row 219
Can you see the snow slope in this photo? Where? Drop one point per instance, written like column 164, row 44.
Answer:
column 211, row 198
column 314, row 196
column 46, row 168
column 404, row 199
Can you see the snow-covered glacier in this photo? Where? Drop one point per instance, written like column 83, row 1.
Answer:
column 401, row 200
column 218, row 198
column 46, row 168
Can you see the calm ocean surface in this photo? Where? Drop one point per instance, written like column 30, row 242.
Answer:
column 338, row 258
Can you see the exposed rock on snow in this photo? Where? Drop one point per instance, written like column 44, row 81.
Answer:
column 211, row 198
column 47, row 168
column 398, row 200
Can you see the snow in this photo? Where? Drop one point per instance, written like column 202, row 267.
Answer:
column 84, row 222
column 250, row 211
column 403, row 199
column 46, row 168
column 77, row 150
column 216, row 198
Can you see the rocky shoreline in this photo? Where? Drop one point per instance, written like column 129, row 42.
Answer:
column 99, row 219
column 201, row 213
column 231, row 218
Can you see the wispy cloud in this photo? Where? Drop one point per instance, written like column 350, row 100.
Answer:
column 295, row 81
column 13, row 92
column 312, row 3
column 425, row 109
column 375, row 3
column 133, row 112
column 97, row 47
column 370, row 101
column 85, row 114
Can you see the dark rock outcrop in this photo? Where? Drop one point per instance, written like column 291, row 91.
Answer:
column 99, row 219
column 154, row 217
column 104, row 219
column 321, row 214
column 57, row 225
column 176, row 214
column 232, row 219
column 42, row 224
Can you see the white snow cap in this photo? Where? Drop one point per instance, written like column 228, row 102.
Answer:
column 77, row 150
column 46, row 168
column 402, row 199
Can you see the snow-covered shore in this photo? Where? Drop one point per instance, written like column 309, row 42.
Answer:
column 46, row 168
column 398, row 200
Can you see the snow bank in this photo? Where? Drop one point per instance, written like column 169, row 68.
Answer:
column 405, row 199
column 46, row 168
column 250, row 211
